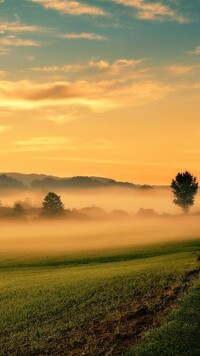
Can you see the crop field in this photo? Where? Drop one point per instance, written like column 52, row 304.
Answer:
column 143, row 301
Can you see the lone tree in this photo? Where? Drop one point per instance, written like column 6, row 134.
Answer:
column 52, row 205
column 184, row 188
column 18, row 209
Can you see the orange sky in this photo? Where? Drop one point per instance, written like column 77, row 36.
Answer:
column 94, row 90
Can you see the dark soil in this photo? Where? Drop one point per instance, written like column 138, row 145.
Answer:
column 114, row 336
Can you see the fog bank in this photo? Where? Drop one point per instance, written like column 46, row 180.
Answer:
column 130, row 200
column 65, row 237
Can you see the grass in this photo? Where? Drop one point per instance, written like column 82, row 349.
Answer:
column 89, row 305
column 96, row 257
column 180, row 332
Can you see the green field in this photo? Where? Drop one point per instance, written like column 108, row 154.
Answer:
column 134, row 302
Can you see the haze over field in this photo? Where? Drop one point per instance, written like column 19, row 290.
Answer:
column 65, row 237
column 109, row 199
column 97, row 219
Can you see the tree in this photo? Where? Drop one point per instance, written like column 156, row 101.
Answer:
column 18, row 209
column 184, row 188
column 52, row 205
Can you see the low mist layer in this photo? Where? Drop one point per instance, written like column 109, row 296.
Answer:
column 113, row 219
column 62, row 237
column 130, row 200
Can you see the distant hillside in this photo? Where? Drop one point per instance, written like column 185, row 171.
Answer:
column 27, row 179
column 10, row 183
column 42, row 181
column 81, row 183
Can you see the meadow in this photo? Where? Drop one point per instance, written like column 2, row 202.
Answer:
column 109, row 302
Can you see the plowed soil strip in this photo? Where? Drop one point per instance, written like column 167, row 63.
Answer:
column 112, row 337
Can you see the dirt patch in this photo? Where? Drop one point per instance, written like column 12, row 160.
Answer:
column 111, row 337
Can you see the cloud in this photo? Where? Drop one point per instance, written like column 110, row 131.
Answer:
column 116, row 67
column 100, row 64
column 119, row 63
column 83, row 35
column 53, row 69
column 180, row 70
column 17, row 42
column 127, row 62
column 96, row 96
column 70, row 7
column 112, row 68
column 4, row 128
column 30, row 58
column 49, row 143
column 101, row 144
column 2, row 73
column 195, row 51
column 195, row 86
column 152, row 11
column 62, row 118
column 17, row 26
column 40, row 141
column 4, row 51
column 42, row 144
column 88, row 160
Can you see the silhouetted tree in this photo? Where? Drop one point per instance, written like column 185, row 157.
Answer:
column 52, row 205
column 184, row 188
column 18, row 209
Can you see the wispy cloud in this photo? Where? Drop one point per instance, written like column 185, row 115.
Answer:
column 180, row 70
column 62, row 118
column 96, row 96
column 17, row 26
column 53, row 69
column 2, row 73
column 101, row 144
column 4, row 51
column 99, row 65
column 47, row 143
column 30, row 58
column 4, row 128
column 12, row 41
column 83, row 35
column 195, row 51
column 116, row 66
column 153, row 11
column 70, row 7
column 42, row 141
column 88, row 160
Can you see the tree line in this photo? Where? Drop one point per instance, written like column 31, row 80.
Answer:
column 184, row 188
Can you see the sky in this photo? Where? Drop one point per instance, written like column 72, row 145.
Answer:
column 106, row 88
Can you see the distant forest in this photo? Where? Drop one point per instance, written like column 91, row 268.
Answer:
column 22, row 181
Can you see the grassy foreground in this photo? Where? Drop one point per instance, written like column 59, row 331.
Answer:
column 180, row 332
column 100, row 306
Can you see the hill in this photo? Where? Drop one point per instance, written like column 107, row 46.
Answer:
column 42, row 181
column 10, row 183
column 27, row 179
column 81, row 183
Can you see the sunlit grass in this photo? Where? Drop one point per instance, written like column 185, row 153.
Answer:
column 179, row 333
column 42, row 303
